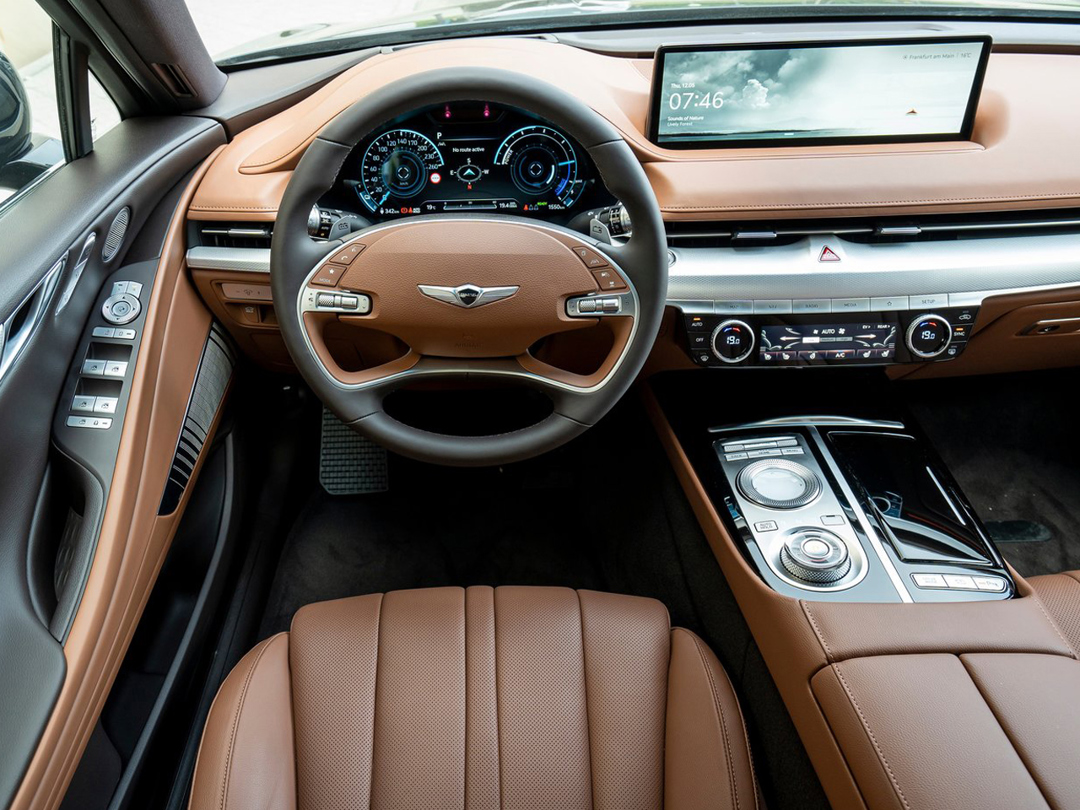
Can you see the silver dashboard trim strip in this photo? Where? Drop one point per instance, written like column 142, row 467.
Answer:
column 241, row 260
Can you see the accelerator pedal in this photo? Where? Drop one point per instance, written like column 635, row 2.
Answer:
column 350, row 464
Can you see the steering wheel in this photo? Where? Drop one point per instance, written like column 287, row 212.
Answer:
column 470, row 294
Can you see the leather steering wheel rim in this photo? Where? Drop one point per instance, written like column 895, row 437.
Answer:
column 643, row 260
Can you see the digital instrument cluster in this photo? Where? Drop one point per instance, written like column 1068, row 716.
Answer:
column 469, row 157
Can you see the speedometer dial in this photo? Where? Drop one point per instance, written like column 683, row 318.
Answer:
column 543, row 164
column 397, row 164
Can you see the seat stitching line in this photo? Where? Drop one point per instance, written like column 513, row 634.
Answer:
column 746, row 738
column 465, row 657
column 1016, row 748
column 236, row 722
column 585, row 686
column 375, row 699
column 498, row 692
column 870, row 733
column 817, row 630
column 723, row 722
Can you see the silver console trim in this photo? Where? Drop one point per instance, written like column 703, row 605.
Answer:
column 871, row 536
column 810, row 421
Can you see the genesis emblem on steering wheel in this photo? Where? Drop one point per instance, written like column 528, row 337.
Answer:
column 467, row 295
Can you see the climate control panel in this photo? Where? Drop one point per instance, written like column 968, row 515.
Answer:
column 798, row 339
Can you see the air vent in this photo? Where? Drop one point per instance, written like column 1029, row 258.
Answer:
column 884, row 230
column 115, row 238
column 211, row 382
column 236, row 234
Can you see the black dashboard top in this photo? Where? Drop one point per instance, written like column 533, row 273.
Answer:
column 468, row 157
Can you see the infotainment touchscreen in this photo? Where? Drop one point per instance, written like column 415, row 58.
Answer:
column 825, row 92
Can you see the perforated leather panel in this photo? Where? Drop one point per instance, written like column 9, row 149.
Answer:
column 513, row 698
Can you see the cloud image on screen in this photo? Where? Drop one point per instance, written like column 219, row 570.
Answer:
column 820, row 92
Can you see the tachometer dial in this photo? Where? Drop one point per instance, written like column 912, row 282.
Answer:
column 397, row 164
column 543, row 164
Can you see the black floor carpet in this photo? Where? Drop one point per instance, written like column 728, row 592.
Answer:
column 604, row 513
column 1012, row 443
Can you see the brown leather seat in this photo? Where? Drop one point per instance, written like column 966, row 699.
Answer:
column 1060, row 594
column 542, row 698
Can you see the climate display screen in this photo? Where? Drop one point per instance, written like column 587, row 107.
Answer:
column 814, row 344
column 830, row 92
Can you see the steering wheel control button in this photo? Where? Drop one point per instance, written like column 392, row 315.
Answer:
column 345, row 303
column 329, row 275
column 608, row 279
column 732, row 341
column 929, row 336
column 121, row 309
column 346, row 255
column 778, row 483
column 590, row 258
column 815, row 556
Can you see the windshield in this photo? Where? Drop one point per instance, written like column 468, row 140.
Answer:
column 242, row 31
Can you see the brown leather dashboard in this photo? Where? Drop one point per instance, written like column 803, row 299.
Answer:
column 1020, row 155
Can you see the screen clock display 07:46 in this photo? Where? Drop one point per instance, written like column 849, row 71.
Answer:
column 464, row 157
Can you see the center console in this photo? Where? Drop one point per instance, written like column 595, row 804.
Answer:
column 849, row 504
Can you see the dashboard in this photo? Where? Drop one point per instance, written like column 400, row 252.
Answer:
column 471, row 156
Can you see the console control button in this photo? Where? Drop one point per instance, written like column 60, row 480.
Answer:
column 105, row 405
column 992, row 584
column 124, row 334
column 778, row 483
column 735, row 456
column 792, row 451
column 83, row 404
column 815, row 556
column 732, row 341
column 127, row 288
column 121, row 309
column 104, row 332
column 960, row 582
column 115, row 368
column 832, row 520
column 929, row 335
column 929, row 580
column 766, row 526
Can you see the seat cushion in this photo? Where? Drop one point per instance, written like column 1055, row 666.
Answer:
column 481, row 698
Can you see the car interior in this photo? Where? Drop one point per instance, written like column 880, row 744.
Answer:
column 535, row 404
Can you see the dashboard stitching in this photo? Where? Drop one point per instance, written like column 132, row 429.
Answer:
column 941, row 201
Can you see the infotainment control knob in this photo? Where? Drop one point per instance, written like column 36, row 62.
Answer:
column 732, row 341
column 929, row 336
column 815, row 556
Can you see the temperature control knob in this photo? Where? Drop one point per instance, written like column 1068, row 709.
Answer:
column 929, row 336
column 732, row 341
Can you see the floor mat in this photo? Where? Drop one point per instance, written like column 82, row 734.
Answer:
column 1011, row 441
